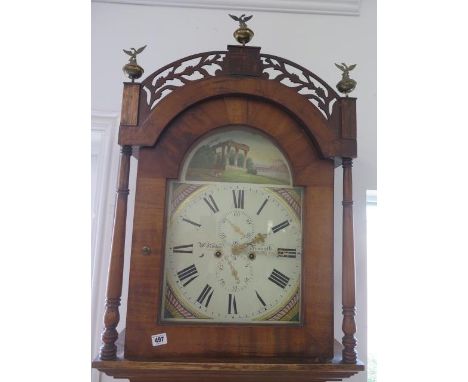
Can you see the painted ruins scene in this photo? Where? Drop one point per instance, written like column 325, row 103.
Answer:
column 237, row 155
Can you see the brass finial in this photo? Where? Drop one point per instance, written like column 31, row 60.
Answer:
column 132, row 69
column 243, row 34
column 346, row 85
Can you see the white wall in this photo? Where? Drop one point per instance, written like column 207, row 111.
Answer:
column 314, row 41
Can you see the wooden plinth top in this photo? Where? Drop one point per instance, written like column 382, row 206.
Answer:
column 230, row 370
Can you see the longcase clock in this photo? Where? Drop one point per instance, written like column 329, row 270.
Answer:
column 231, row 275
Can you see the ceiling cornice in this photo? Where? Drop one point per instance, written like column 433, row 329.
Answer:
column 330, row 7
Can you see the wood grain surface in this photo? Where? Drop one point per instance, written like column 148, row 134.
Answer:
column 130, row 103
column 164, row 161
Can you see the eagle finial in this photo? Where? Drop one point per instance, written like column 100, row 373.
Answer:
column 243, row 34
column 132, row 69
column 346, row 85
column 133, row 53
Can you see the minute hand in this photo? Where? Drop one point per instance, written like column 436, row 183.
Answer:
column 235, row 228
column 259, row 238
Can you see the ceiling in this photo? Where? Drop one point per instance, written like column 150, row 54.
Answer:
column 334, row 7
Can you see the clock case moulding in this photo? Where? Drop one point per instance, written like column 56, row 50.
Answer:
column 161, row 119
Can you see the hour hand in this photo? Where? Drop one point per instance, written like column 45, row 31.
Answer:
column 259, row 238
column 235, row 228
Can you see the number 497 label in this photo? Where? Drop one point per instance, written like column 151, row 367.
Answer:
column 159, row 339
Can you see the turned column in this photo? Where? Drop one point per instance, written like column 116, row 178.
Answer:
column 109, row 336
column 348, row 273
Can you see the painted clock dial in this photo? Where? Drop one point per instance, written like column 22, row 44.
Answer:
column 233, row 250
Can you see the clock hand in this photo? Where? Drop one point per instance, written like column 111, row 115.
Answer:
column 235, row 227
column 259, row 238
column 234, row 272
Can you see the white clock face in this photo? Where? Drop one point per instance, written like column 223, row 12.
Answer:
column 233, row 253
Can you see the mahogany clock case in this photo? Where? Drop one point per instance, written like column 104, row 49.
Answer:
column 156, row 165
column 316, row 130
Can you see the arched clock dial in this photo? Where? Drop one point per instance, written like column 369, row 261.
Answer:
column 233, row 253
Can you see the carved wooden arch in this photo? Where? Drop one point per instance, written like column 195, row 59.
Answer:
column 204, row 118
column 148, row 108
column 219, row 87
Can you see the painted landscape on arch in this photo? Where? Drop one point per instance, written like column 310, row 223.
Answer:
column 237, row 155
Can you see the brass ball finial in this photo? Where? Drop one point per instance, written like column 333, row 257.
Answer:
column 346, row 85
column 132, row 69
column 243, row 34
